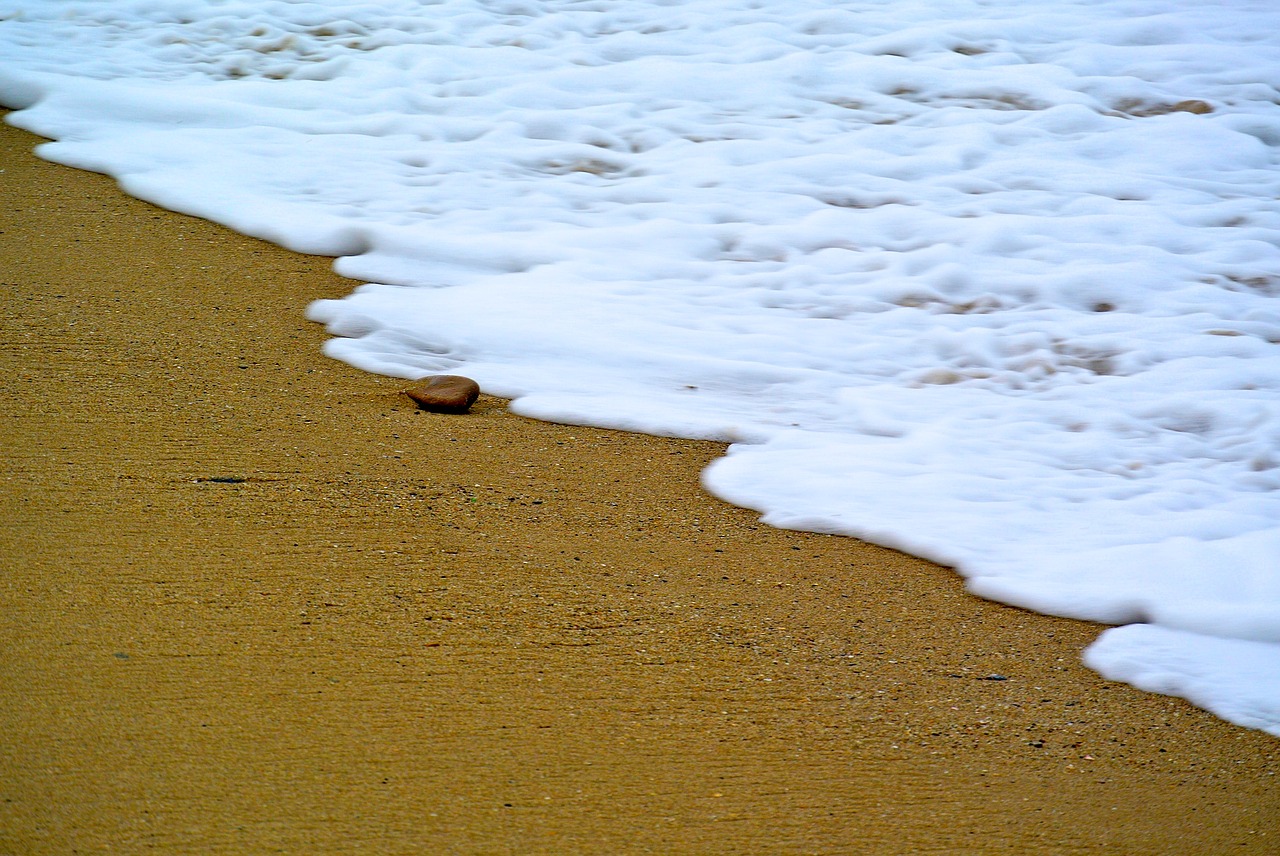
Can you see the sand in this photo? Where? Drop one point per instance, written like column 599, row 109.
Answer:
column 254, row 601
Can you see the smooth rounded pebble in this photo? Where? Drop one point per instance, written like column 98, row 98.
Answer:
column 444, row 393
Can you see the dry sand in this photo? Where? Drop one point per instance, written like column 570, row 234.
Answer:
column 253, row 600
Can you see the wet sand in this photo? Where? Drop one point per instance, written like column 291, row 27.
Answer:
column 253, row 600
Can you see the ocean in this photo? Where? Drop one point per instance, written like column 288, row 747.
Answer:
column 995, row 284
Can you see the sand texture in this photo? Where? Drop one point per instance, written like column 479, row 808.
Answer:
column 255, row 601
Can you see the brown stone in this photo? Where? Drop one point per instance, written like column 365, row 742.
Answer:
column 444, row 393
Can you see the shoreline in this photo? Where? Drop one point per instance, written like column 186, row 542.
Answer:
column 393, row 631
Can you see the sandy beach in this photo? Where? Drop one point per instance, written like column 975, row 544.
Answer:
column 255, row 601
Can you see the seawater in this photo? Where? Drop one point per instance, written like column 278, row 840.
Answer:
column 994, row 285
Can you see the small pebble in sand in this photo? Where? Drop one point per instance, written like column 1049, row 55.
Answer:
column 444, row 393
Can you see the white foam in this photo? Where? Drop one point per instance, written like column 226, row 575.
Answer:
column 998, row 289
